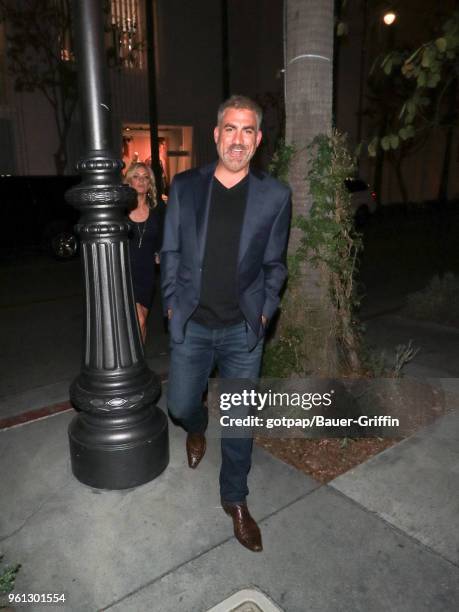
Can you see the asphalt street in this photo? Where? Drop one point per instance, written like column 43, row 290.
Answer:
column 41, row 324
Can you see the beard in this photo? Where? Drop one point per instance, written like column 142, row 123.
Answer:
column 236, row 157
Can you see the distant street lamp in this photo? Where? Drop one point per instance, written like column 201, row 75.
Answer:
column 389, row 18
column 119, row 438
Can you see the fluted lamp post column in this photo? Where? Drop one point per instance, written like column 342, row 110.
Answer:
column 119, row 438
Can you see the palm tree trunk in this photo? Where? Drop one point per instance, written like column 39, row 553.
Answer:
column 308, row 103
column 309, row 83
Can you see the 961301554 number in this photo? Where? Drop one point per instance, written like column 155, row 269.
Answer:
column 36, row 598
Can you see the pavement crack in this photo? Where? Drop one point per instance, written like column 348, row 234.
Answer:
column 27, row 520
column 202, row 553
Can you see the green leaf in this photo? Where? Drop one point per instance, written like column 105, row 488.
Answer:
column 402, row 133
column 410, row 111
column 422, row 79
column 385, row 143
column 387, row 67
column 372, row 147
column 426, row 58
column 434, row 79
column 410, row 107
column 394, row 141
column 441, row 44
column 386, row 58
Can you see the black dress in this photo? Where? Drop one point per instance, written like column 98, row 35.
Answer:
column 145, row 240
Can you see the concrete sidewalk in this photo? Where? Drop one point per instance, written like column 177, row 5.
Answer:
column 381, row 537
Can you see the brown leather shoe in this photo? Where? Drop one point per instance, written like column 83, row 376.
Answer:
column 195, row 448
column 245, row 528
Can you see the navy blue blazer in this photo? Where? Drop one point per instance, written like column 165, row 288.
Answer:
column 262, row 248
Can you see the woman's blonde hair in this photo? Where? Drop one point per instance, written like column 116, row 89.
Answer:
column 152, row 194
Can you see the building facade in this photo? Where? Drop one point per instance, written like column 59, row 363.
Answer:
column 188, row 51
column 190, row 77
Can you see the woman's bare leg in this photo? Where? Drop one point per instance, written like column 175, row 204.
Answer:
column 142, row 315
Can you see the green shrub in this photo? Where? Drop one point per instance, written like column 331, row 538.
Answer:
column 7, row 577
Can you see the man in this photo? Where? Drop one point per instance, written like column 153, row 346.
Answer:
column 223, row 266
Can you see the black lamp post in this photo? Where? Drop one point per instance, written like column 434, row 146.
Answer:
column 119, row 439
column 152, row 102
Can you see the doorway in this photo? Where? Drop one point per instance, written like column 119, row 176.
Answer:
column 175, row 148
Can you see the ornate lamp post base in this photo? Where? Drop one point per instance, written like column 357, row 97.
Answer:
column 119, row 452
column 119, row 439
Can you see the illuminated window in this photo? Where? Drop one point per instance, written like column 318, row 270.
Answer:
column 62, row 30
column 123, row 21
column 175, row 147
column 127, row 33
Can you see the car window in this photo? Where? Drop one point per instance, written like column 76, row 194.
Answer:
column 354, row 185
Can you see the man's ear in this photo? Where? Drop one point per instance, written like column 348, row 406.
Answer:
column 259, row 135
column 216, row 134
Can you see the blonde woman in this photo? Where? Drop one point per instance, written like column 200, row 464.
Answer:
column 145, row 240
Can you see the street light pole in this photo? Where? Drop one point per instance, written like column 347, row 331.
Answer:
column 119, row 439
column 152, row 101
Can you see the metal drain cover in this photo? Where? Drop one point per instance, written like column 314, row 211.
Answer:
column 247, row 600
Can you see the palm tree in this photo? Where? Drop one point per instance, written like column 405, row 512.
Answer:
column 309, row 28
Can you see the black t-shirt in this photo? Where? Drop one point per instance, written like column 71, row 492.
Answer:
column 219, row 304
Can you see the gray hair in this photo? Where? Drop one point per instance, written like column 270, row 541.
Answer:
column 240, row 102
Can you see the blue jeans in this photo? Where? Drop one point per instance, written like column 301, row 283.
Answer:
column 191, row 364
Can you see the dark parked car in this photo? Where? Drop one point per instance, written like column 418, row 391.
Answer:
column 36, row 215
column 363, row 200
